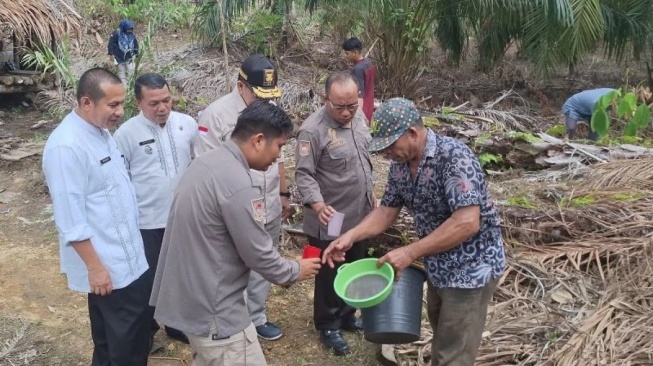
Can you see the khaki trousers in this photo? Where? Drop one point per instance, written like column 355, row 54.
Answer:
column 457, row 317
column 125, row 70
column 241, row 349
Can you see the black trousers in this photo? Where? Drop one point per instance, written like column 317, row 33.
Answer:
column 119, row 326
column 152, row 240
column 329, row 311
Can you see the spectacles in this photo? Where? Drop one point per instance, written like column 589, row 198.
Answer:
column 341, row 108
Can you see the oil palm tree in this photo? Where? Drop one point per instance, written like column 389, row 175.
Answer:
column 549, row 32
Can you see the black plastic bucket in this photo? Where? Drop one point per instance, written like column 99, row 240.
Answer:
column 398, row 319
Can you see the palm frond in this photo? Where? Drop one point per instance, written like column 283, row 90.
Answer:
column 206, row 18
column 627, row 23
column 585, row 33
column 451, row 30
column 40, row 21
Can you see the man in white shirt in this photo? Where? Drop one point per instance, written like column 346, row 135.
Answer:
column 257, row 79
column 96, row 215
column 157, row 146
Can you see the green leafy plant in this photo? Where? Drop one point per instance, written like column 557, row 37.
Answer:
column 260, row 31
column 47, row 60
column 165, row 14
column 624, row 108
column 488, row 158
column 59, row 101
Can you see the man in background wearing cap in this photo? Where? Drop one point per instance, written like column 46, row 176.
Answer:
column 257, row 79
column 334, row 174
column 440, row 181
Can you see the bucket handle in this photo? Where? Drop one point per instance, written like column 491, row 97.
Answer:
column 342, row 266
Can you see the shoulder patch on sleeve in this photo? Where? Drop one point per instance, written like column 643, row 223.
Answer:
column 304, row 147
column 258, row 207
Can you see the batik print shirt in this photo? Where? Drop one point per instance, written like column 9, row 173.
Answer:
column 448, row 178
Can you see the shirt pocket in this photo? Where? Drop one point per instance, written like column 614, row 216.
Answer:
column 337, row 159
column 344, row 152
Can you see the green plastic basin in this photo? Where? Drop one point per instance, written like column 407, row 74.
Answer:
column 349, row 272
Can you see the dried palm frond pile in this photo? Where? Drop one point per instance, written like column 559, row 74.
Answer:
column 578, row 287
column 39, row 21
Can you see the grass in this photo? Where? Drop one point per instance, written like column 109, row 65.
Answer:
column 629, row 196
column 523, row 136
column 38, row 137
column 480, row 140
column 579, row 201
column 520, row 201
column 557, row 131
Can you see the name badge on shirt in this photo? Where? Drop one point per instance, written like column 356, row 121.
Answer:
column 146, row 143
column 336, row 143
column 335, row 140
column 105, row 160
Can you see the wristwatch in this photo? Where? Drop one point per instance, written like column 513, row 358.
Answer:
column 284, row 194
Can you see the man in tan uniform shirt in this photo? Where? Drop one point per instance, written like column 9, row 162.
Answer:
column 257, row 80
column 334, row 173
column 214, row 237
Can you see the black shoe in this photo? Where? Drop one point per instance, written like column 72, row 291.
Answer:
column 333, row 340
column 177, row 334
column 354, row 325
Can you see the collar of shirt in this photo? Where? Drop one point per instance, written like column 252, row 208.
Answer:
column 84, row 124
column 334, row 124
column 238, row 153
column 240, row 103
column 431, row 143
column 146, row 121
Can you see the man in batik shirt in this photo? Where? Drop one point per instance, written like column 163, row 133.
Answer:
column 440, row 181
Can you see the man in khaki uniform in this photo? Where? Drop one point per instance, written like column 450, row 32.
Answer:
column 257, row 80
column 334, row 173
column 215, row 235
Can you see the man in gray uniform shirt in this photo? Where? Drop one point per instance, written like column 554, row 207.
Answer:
column 334, row 173
column 215, row 236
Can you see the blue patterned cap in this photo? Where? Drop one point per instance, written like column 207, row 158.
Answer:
column 390, row 121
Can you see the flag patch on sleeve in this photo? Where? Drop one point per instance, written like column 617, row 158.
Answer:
column 258, row 207
column 304, row 148
column 203, row 130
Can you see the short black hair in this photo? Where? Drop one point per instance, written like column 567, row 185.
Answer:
column 150, row 80
column 262, row 117
column 339, row 78
column 352, row 44
column 90, row 81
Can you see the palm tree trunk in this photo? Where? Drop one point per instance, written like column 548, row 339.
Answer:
column 223, row 30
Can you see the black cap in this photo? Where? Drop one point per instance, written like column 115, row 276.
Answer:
column 261, row 75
